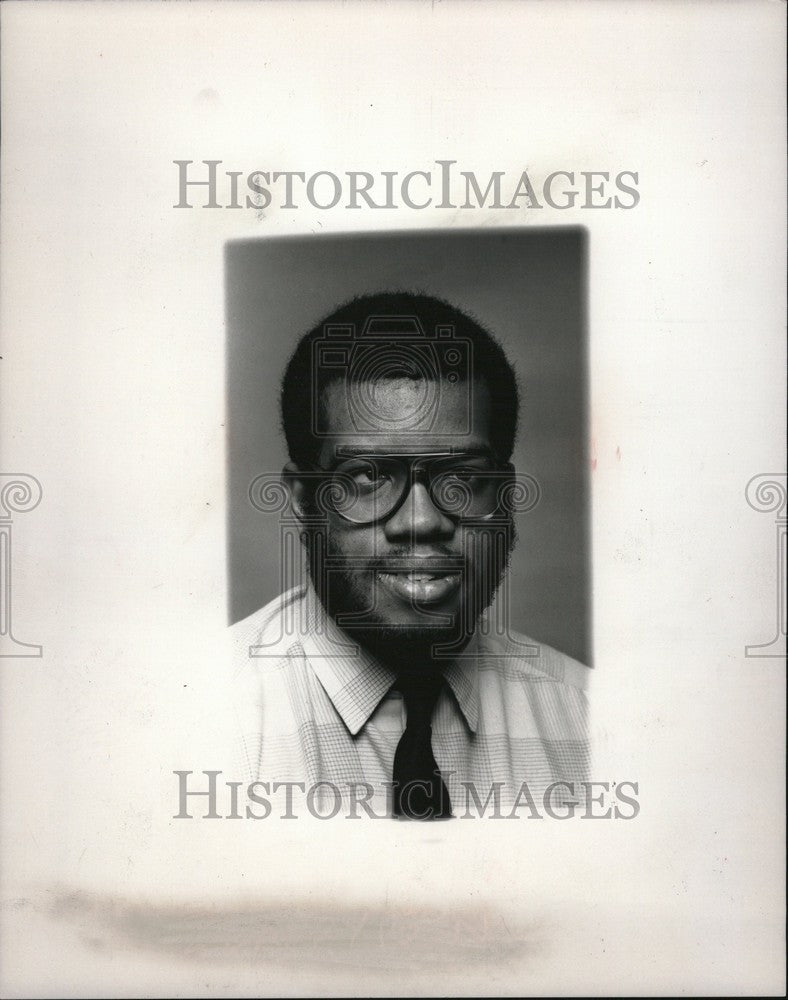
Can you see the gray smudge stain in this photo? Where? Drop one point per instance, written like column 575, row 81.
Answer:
column 300, row 933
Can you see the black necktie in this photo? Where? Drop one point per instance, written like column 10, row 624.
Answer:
column 419, row 791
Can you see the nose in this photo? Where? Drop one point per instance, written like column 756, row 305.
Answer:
column 418, row 519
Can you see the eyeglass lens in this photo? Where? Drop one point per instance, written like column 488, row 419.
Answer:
column 368, row 488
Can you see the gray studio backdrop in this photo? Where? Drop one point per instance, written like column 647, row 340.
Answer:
column 527, row 286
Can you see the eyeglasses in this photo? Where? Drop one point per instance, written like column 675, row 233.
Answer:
column 366, row 488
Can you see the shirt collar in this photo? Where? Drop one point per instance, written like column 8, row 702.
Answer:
column 353, row 679
column 356, row 682
column 462, row 676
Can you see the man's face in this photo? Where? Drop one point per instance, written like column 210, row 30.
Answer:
column 415, row 577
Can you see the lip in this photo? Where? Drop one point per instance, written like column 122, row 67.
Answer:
column 431, row 565
column 421, row 584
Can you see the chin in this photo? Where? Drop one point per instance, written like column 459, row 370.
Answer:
column 396, row 638
column 408, row 647
column 401, row 620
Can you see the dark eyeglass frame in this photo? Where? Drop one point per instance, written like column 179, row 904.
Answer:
column 417, row 472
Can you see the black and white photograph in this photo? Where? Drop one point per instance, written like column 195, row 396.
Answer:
column 397, row 517
column 392, row 498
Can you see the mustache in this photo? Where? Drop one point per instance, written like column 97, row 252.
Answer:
column 436, row 558
column 325, row 553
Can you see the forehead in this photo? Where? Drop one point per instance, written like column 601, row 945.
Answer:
column 402, row 415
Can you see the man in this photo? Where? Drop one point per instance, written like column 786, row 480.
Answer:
column 388, row 669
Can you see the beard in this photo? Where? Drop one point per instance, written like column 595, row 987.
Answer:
column 350, row 597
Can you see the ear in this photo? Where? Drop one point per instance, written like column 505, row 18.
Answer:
column 296, row 487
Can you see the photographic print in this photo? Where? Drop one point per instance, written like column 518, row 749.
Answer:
column 393, row 515
column 392, row 498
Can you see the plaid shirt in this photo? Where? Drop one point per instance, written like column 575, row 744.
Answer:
column 310, row 706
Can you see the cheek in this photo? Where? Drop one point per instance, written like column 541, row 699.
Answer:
column 353, row 541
